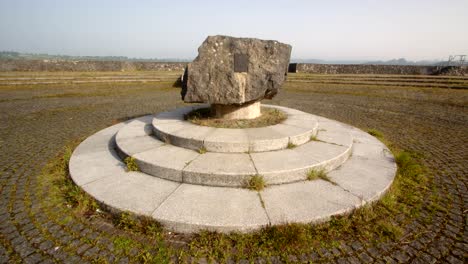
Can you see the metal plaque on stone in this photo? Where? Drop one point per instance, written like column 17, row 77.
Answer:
column 241, row 62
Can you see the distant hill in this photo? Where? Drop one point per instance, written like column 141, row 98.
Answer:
column 34, row 56
column 400, row 61
column 403, row 61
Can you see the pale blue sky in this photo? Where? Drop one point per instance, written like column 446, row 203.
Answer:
column 346, row 30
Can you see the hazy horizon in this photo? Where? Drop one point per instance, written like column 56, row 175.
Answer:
column 333, row 30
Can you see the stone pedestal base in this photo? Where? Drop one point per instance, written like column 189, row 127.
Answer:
column 244, row 111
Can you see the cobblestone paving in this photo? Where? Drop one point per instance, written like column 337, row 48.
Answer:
column 33, row 128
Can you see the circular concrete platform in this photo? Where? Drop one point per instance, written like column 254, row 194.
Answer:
column 297, row 129
column 184, row 196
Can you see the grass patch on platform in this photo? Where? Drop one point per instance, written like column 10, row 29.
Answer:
column 204, row 117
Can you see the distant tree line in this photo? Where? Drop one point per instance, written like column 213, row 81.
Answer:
column 40, row 56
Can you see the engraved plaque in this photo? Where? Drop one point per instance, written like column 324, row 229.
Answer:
column 241, row 62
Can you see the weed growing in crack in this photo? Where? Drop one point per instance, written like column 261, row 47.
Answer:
column 202, row 150
column 131, row 164
column 315, row 174
column 256, row 183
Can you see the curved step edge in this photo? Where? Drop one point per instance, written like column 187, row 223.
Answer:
column 226, row 169
column 170, row 127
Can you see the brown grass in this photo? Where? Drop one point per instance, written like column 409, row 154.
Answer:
column 203, row 117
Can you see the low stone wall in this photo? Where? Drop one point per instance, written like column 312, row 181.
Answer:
column 377, row 69
column 60, row 65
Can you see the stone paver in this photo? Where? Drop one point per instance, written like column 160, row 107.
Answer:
column 131, row 191
column 137, row 137
column 359, row 176
column 86, row 166
column 193, row 207
column 165, row 162
column 135, row 145
column 305, row 202
column 220, row 169
column 221, row 139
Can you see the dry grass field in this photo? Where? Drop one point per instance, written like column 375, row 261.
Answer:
column 44, row 218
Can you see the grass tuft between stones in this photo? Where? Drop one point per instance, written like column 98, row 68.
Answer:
column 131, row 164
column 202, row 150
column 203, row 117
column 314, row 174
column 256, row 183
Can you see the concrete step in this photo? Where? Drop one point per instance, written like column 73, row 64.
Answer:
column 182, row 207
column 297, row 129
column 154, row 157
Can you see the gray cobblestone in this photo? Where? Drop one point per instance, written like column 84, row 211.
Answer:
column 34, row 129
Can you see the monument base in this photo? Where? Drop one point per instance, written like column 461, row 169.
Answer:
column 244, row 111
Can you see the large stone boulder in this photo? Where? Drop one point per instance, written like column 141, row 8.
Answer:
column 232, row 70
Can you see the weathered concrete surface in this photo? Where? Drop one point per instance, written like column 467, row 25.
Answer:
column 92, row 155
column 131, row 191
column 193, row 208
column 98, row 170
column 306, row 202
column 227, row 140
column 232, row 70
column 220, row 169
column 367, row 178
column 136, row 137
column 134, row 145
column 189, row 136
column 165, row 162
column 289, row 165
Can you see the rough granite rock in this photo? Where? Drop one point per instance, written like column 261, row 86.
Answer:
column 232, row 70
